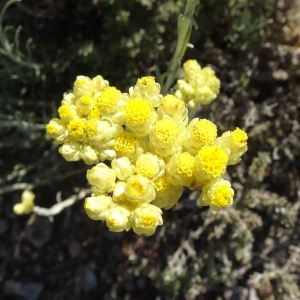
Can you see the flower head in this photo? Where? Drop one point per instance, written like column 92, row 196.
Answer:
column 217, row 195
column 117, row 218
column 145, row 218
column 165, row 137
column 97, row 207
column 199, row 133
column 139, row 189
column 181, row 169
column 139, row 116
column 101, row 178
column 211, row 164
column 149, row 165
column 108, row 98
column 148, row 89
column 167, row 195
column 234, row 143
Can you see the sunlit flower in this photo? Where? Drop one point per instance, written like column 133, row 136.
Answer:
column 217, row 195
column 97, row 207
column 145, row 218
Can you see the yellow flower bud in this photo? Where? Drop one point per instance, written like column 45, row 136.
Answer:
column 108, row 154
column 204, row 95
column 200, row 86
column 167, row 195
column 185, row 91
column 19, row 209
column 101, row 178
column 97, row 207
column 117, row 218
column 123, row 168
column 148, row 89
column 83, row 86
column 119, row 195
column 70, row 151
column 68, row 99
column 191, row 68
column 174, row 108
column 99, row 83
column 103, row 134
column 27, row 203
column 149, row 165
column 84, row 105
column 145, row 218
column 89, row 155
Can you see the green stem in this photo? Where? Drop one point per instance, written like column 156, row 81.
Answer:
column 185, row 23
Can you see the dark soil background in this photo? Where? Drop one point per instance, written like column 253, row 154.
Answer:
column 248, row 251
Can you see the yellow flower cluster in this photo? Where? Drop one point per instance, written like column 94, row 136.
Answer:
column 199, row 86
column 153, row 149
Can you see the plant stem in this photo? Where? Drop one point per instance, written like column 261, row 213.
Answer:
column 185, row 23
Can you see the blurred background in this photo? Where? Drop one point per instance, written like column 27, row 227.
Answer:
column 248, row 251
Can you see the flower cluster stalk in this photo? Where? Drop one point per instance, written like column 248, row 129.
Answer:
column 184, row 29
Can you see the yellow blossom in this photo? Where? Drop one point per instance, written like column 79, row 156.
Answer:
column 217, row 195
column 174, row 108
column 149, row 165
column 67, row 112
column 148, row 89
column 165, row 137
column 94, row 113
column 57, row 130
column 127, row 144
column 70, row 151
column 211, row 164
column 234, row 143
column 145, row 218
column 108, row 98
column 76, row 129
column 117, row 218
column 123, row 168
column 102, row 178
column 167, row 195
column 139, row 115
column 97, row 207
column 139, row 189
column 89, row 154
column 181, row 169
column 83, row 85
column 200, row 132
